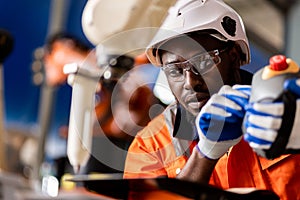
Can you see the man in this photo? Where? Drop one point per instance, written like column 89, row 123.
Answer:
column 202, row 49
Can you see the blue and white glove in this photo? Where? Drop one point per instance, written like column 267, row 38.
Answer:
column 219, row 123
column 264, row 120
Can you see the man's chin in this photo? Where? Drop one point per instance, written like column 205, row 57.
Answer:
column 191, row 116
column 194, row 112
column 195, row 107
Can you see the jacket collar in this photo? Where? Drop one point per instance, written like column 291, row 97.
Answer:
column 182, row 128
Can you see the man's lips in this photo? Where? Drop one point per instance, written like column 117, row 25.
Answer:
column 197, row 98
column 197, row 101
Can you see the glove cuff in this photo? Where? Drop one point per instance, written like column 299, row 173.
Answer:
column 198, row 149
column 214, row 150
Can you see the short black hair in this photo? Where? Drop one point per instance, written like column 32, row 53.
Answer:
column 62, row 36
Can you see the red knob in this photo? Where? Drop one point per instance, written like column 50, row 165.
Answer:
column 278, row 63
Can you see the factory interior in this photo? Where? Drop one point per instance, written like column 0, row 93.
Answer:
column 35, row 116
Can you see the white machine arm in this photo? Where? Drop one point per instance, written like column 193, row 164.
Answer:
column 104, row 18
column 115, row 27
column 84, row 83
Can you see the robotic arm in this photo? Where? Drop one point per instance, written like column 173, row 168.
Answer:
column 84, row 80
column 116, row 27
column 102, row 19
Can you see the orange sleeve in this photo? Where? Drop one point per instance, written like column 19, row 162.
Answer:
column 142, row 164
column 144, row 157
column 219, row 177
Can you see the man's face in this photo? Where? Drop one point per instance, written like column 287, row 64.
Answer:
column 62, row 53
column 192, row 90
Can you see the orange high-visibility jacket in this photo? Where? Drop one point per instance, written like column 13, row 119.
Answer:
column 156, row 152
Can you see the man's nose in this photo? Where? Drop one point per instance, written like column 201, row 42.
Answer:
column 192, row 80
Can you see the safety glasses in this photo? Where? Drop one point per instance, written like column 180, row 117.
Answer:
column 199, row 65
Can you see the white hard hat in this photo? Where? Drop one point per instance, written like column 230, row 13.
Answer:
column 188, row 16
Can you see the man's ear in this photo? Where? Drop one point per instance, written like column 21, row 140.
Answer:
column 235, row 55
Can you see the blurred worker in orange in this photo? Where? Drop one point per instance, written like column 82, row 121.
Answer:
column 62, row 49
column 121, row 108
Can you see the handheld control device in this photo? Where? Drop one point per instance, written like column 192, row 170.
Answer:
column 268, row 86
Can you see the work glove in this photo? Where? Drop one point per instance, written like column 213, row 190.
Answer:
column 219, row 123
column 270, row 128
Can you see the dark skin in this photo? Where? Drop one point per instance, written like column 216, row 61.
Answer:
column 195, row 90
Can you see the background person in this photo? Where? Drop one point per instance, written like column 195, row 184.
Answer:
column 64, row 48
